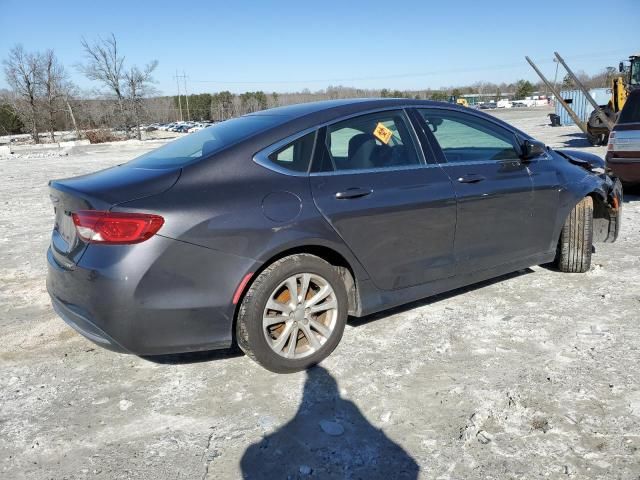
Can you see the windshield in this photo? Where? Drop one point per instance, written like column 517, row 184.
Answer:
column 207, row 141
column 635, row 72
column 631, row 111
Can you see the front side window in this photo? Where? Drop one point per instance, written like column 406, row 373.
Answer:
column 467, row 138
column 373, row 141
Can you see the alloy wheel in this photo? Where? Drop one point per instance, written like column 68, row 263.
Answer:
column 300, row 315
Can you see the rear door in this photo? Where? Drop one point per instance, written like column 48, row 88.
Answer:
column 393, row 210
column 493, row 188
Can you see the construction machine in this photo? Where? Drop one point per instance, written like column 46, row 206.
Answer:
column 621, row 86
column 458, row 101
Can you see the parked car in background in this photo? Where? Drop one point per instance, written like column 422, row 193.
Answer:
column 623, row 149
column 270, row 229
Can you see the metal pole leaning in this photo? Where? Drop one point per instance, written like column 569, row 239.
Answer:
column 555, row 92
column 606, row 120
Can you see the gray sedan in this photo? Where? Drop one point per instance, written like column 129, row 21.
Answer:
column 269, row 230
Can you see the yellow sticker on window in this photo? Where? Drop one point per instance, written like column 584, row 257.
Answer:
column 382, row 133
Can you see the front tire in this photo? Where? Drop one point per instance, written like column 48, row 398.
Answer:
column 576, row 239
column 293, row 315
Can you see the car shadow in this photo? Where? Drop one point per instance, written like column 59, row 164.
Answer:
column 194, row 357
column 575, row 140
column 359, row 321
column 328, row 438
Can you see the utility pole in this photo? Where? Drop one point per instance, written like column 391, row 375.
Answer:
column 186, row 95
column 179, row 100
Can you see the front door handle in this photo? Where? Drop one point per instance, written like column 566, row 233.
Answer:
column 471, row 178
column 354, row 192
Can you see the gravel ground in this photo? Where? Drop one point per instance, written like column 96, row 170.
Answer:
column 532, row 375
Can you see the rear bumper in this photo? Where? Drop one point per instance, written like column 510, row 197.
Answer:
column 81, row 323
column 626, row 169
column 158, row 297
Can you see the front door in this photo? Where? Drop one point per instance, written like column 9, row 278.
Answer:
column 493, row 188
column 396, row 213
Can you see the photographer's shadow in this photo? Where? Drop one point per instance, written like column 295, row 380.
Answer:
column 328, row 438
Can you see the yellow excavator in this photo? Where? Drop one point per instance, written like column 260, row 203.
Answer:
column 621, row 86
column 458, row 101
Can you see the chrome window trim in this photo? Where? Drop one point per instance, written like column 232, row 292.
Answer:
column 367, row 170
column 475, row 162
column 262, row 157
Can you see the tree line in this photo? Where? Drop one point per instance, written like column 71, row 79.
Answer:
column 42, row 98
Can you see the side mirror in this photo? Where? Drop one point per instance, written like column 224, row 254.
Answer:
column 532, row 149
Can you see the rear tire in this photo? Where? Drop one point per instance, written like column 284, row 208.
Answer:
column 294, row 317
column 576, row 239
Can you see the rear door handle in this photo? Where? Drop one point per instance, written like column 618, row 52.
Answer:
column 354, row 192
column 471, row 178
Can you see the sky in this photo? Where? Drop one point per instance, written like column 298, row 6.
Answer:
column 286, row 46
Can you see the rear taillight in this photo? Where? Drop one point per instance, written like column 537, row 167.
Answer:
column 612, row 141
column 96, row 226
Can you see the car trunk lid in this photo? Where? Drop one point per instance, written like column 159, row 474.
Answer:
column 98, row 191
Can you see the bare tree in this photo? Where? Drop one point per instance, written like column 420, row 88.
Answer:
column 138, row 85
column 106, row 65
column 23, row 72
column 55, row 83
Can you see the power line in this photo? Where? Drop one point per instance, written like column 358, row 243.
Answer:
column 594, row 55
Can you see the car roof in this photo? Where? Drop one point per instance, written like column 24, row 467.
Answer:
column 344, row 106
column 293, row 118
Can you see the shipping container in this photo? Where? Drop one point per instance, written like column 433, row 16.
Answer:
column 579, row 103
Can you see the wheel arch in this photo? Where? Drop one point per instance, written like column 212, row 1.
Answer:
column 348, row 270
column 605, row 214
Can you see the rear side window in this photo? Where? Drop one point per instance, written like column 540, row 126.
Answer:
column 467, row 138
column 296, row 156
column 631, row 111
column 374, row 141
column 204, row 143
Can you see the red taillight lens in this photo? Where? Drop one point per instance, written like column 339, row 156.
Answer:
column 96, row 226
column 612, row 141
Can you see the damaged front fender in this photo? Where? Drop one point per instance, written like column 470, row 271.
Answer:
column 606, row 191
column 607, row 215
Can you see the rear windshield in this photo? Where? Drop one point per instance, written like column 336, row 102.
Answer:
column 207, row 141
column 631, row 111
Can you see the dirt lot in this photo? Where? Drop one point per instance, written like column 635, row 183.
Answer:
column 533, row 375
